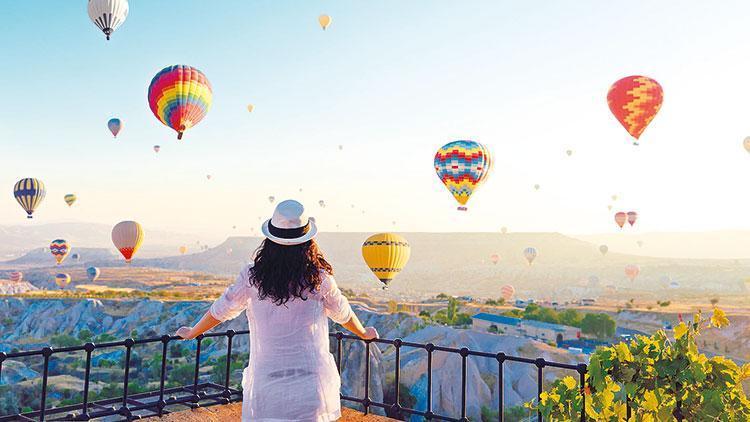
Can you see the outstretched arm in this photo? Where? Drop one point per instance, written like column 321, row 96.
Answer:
column 355, row 326
column 206, row 323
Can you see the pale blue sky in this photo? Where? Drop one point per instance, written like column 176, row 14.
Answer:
column 391, row 81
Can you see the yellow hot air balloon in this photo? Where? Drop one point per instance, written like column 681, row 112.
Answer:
column 183, row 249
column 70, row 199
column 324, row 21
column 386, row 254
column 127, row 237
column 250, row 108
column 62, row 280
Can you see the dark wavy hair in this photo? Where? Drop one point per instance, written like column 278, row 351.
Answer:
column 282, row 273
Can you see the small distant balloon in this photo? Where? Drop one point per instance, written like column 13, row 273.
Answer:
column 16, row 276
column 208, row 176
column 530, row 254
column 93, row 273
column 70, row 199
column 621, row 218
column 536, row 187
column 609, row 207
column 632, row 217
column 341, row 147
column 322, row 203
column 640, row 243
column 746, row 144
column 507, row 292
column 60, row 250
column 271, row 199
column 234, row 227
column 503, row 230
column 75, row 257
column 569, row 152
column 250, row 108
column 632, row 271
column 183, row 250
column 229, row 251
column 674, row 284
column 603, row 249
column 614, row 197
column 62, row 280
column 114, row 125
column 157, row 148
column 495, row 258
column 324, row 21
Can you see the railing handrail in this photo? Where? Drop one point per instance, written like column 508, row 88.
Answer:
column 197, row 396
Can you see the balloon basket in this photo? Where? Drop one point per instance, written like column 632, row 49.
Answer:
column 179, row 136
column 462, row 209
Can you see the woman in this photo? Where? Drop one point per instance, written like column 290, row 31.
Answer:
column 287, row 294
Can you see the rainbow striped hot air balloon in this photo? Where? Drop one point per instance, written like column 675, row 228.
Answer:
column 180, row 96
column 59, row 249
column 635, row 100
column 127, row 237
column 462, row 166
column 386, row 254
column 29, row 193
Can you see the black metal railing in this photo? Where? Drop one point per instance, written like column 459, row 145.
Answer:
column 199, row 394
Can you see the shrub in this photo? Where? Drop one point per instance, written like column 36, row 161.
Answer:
column 653, row 374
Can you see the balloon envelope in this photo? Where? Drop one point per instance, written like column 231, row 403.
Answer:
column 530, row 254
column 93, row 273
column 114, row 126
column 250, row 108
column 495, row 258
column 603, row 249
column 632, row 217
column 59, row 249
column 29, row 193
column 632, row 271
column 462, row 166
column 157, row 148
column 386, row 254
column 746, row 144
column 324, row 21
column 271, row 199
column 70, row 199
column 180, row 96
column 127, row 237
column 507, row 292
column 16, row 276
column 62, row 280
column 621, row 218
column 635, row 100
column 183, row 250
column 108, row 15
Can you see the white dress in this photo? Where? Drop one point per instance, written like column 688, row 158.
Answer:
column 291, row 375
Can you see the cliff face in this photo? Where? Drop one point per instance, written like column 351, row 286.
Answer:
column 31, row 323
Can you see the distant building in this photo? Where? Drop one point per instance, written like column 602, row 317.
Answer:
column 524, row 327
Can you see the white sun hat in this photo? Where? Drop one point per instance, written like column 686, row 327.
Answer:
column 289, row 225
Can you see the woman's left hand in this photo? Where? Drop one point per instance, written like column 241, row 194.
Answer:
column 186, row 333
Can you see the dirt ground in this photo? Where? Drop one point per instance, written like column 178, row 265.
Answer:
column 233, row 412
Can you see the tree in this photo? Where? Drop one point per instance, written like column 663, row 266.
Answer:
column 600, row 325
column 392, row 306
column 85, row 335
column 653, row 374
column 64, row 340
column 570, row 317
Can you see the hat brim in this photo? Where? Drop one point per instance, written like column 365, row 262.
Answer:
column 290, row 242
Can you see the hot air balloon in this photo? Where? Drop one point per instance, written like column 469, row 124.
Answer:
column 180, row 96
column 93, row 273
column 127, row 237
column 674, row 284
column 183, row 250
column 603, row 249
column 157, row 148
column 59, row 249
column 632, row 217
column 569, row 152
column 322, row 203
column 632, row 271
column 75, row 257
column 208, row 176
column 635, row 100
column 530, row 254
column 229, row 251
column 614, row 197
column 324, row 21
column 503, row 230
column 341, row 147
column 70, row 199
column 114, row 126
column 16, row 276
column 536, row 187
column 462, row 166
column 108, row 15
column 495, row 258
column 507, row 292
column 609, row 207
column 746, row 144
column 386, row 254
column 250, row 108
column 640, row 243
column 271, row 199
column 621, row 218
column 29, row 193
column 62, row 280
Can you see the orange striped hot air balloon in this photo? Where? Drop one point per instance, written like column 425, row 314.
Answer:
column 632, row 271
column 16, row 276
column 635, row 100
column 621, row 218
column 507, row 292
column 127, row 237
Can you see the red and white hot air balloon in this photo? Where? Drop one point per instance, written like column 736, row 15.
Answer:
column 495, row 258
column 632, row 271
column 507, row 292
column 127, row 237
column 16, row 276
column 621, row 218
column 632, row 217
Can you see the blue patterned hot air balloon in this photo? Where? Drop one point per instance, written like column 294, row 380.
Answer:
column 462, row 166
column 29, row 193
column 114, row 126
column 92, row 273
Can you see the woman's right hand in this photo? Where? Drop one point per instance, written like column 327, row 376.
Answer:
column 370, row 333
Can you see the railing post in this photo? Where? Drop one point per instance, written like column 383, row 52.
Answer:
column 46, row 352
column 161, row 404
column 339, row 337
column 89, row 347
column 500, row 392
column 197, row 368
column 429, row 347
column 582, row 369
column 366, row 401
column 396, row 407
column 128, row 347
column 230, row 336
column 540, row 383
column 3, row 356
column 464, row 354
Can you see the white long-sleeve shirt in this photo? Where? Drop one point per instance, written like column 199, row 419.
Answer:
column 291, row 375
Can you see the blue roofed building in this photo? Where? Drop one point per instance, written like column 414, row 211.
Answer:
column 539, row 330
